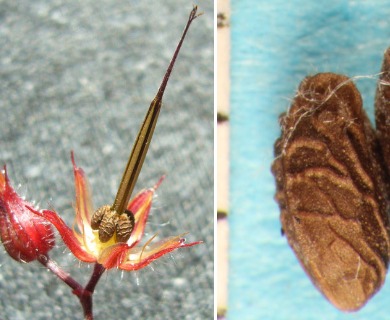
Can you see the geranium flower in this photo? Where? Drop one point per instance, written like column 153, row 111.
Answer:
column 84, row 242
column 24, row 235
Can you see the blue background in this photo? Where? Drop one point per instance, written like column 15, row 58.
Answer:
column 275, row 44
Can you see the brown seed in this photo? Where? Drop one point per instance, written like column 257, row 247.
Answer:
column 98, row 216
column 108, row 225
column 107, row 221
column 332, row 191
column 382, row 109
column 124, row 226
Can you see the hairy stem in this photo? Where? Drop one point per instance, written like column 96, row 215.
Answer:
column 64, row 276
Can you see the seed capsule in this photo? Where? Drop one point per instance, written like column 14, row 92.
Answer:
column 108, row 225
column 108, row 221
column 124, row 226
column 98, row 216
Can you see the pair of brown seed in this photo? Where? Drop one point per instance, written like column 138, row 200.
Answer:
column 109, row 222
column 332, row 171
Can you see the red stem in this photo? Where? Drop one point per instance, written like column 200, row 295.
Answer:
column 86, row 295
column 64, row 276
column 83, row 293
